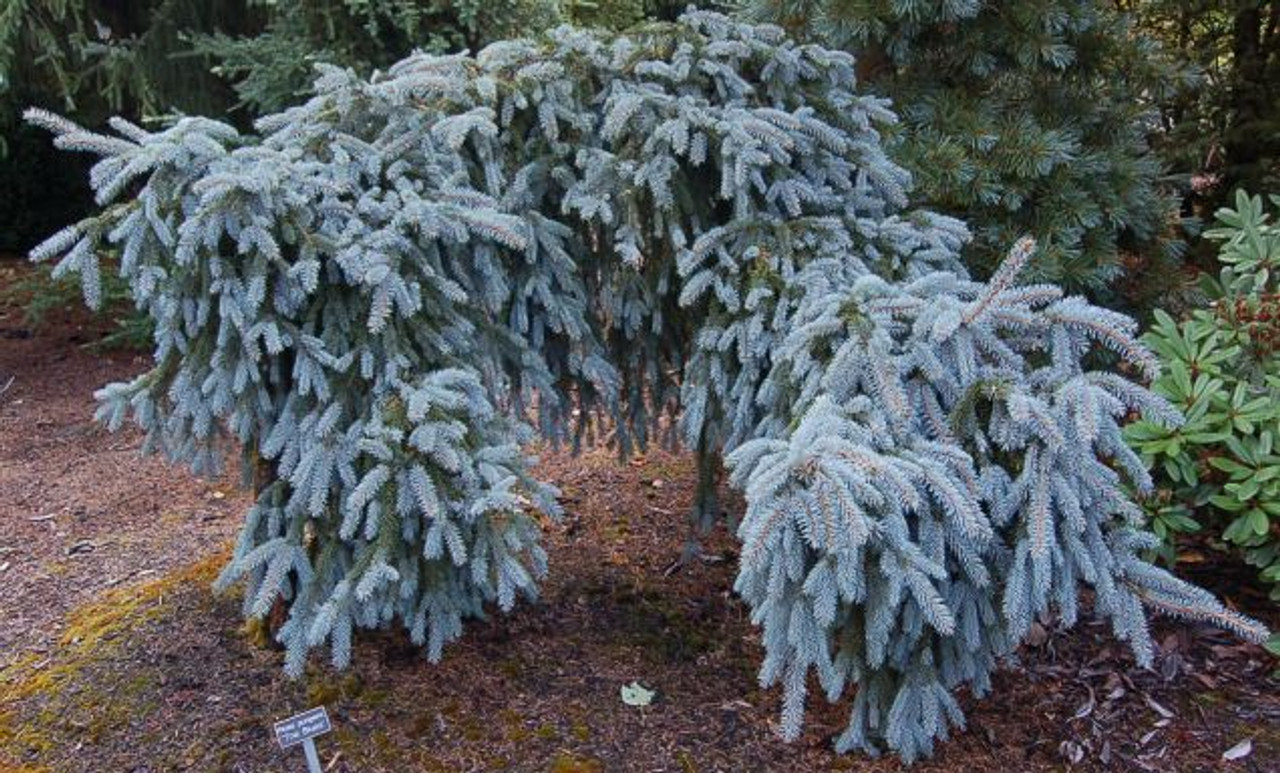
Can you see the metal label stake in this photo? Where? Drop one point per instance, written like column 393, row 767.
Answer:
column 300, row 729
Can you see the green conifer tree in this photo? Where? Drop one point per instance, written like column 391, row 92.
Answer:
column 1021, row 117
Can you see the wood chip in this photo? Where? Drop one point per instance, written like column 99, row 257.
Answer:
column 1157, row 708
column 1239, row 751
column 1087, row 707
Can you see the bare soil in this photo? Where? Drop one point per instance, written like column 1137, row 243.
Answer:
column 116, row 656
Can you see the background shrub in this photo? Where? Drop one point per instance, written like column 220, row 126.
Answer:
column 1220, row 130
column 1221, row 469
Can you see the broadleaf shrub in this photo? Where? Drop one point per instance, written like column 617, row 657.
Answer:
column 696, row 216
column 1222, row 370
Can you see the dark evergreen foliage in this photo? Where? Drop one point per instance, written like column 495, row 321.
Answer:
column 1022, row 117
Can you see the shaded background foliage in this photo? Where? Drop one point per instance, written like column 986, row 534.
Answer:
column 231, row 58
column 92, row 59
column 1221, row 129
column 1083, row 122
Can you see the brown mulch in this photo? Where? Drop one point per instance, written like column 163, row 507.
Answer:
column 123, row 661
column 80, row 511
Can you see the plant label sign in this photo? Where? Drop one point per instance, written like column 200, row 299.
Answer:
column 300, row 729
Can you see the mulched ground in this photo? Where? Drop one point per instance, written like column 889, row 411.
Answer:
column 80, row 511
column 120, row 659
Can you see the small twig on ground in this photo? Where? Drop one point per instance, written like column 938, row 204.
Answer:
column 87, row 546
column 691, row 552
column 129, row 576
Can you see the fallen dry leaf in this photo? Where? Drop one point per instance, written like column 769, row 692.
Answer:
column 635, row 694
